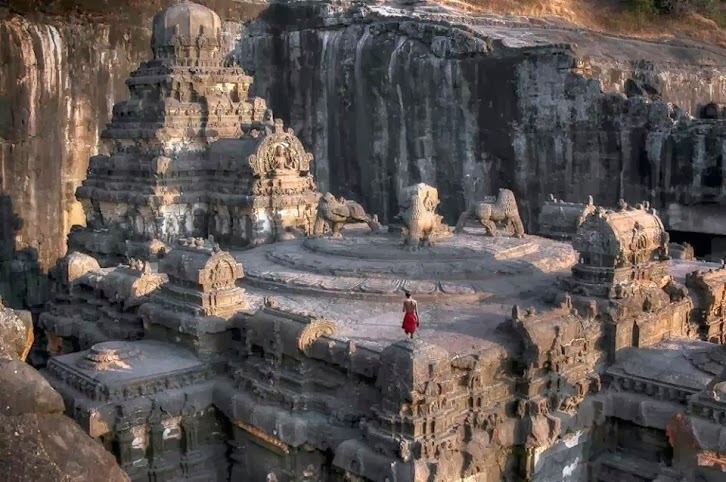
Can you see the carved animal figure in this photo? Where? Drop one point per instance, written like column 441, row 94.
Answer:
column 421, row 224
column 488, row 213
column 337, row 212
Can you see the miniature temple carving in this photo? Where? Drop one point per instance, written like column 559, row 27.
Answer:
column 616, row 247
column 201, row 296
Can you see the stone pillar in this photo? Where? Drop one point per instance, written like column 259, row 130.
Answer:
column 125, row 438
column 193, row 458
column 157, row 441
column 159, row 471
column 699, row 163
column 191, row 431
column 239, row 470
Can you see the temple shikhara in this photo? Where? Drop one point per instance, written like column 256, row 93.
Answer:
column 191, row 153
column 219, row 319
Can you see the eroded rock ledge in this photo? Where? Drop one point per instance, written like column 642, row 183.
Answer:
column 37, row 441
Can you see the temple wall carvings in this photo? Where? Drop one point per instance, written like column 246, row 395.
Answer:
column 219, row 318
column 551, row 122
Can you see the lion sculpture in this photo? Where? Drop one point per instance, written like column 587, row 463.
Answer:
column 337, row 212
column 489, row 213
column 421, row 225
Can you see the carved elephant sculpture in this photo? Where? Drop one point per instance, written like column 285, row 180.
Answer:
column 488, row 213
column 337, row 212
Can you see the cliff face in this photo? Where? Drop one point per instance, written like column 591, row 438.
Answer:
column 383, row 97
column 59, row 84
column 390, row 98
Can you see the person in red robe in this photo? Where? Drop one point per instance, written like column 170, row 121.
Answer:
column 410, row 317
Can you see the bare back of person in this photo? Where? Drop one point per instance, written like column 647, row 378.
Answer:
column 410, row 317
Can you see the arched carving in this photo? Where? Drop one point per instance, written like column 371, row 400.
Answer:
column 314, row 330
column 221, row 275
column 280, row 152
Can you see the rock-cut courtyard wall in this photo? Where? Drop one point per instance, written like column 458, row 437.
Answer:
column 382, row 102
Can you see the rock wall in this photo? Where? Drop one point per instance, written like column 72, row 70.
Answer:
column 383, row 98
column 385, row 102
column 60, row 85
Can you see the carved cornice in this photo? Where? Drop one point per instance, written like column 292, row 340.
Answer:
column 257, row 433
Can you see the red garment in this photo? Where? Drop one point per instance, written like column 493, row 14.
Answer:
column 410, row 323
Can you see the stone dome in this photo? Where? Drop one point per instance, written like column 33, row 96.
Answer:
column 183, row 24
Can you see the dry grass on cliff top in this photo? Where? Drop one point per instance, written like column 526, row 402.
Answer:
column 608, row 16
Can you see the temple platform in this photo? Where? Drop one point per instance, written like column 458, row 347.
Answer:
column 466, row 267
column 465, row 285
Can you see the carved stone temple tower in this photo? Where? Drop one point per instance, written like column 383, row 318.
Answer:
column 190, row 153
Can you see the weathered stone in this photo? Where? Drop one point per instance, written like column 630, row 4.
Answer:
column 26, row 391
column 38, row 446
column 16, row 333
column 597, row 352
column 501, row 209
column 38, row 442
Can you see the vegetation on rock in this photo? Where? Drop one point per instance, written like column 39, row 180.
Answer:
column 702, row 20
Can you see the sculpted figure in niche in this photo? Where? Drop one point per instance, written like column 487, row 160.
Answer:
column 283, row 159
column 488, row 213
column 337, row 212
column 221, row 275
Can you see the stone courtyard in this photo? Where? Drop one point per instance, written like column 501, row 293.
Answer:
column 222, row 316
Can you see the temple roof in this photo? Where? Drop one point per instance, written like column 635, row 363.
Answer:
column 201, row 262
column 614, row 232
column 713, row 278
column 184, row 23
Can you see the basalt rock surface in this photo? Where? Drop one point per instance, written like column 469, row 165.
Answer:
column 38, row 442
column 389, row 97
column 385, row 96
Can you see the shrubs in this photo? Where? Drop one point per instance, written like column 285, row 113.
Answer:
column 705, row 7
column 643, row 7
column 709, row 8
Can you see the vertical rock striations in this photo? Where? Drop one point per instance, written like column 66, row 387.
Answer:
column 384, row 98
column 389, row 98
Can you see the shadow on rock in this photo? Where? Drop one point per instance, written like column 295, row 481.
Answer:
column 37, row 441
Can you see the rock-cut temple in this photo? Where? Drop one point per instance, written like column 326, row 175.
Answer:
column 191, row 153
column 199, row 330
